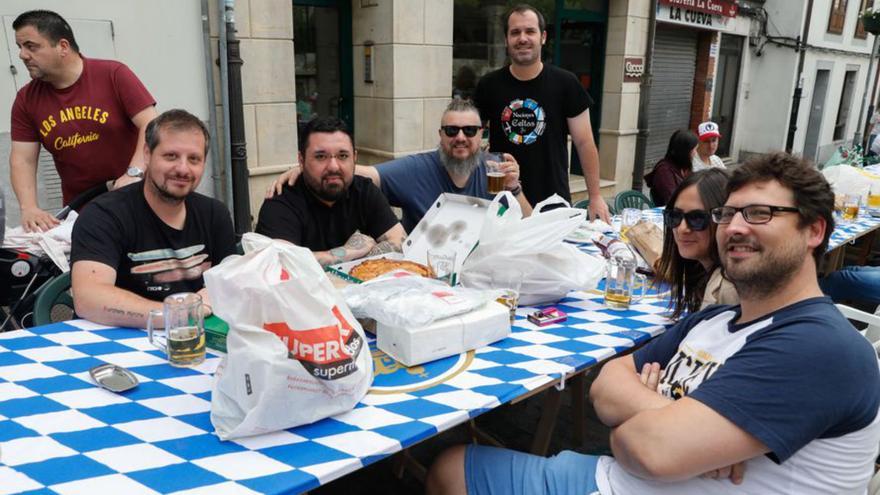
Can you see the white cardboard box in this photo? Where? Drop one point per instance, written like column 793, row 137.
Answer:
column 447, row 337
column 454, row 222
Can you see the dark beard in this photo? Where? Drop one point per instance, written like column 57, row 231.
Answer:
column 164, row 195
column 459, row 167
column 769, row 277
column 324, row 194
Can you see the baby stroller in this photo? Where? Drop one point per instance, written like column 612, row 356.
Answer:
column 23, row 275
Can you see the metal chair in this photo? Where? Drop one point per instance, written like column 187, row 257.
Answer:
column 54, row 302
column 632, row 199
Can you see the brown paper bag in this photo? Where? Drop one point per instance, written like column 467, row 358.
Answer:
column 647, row 238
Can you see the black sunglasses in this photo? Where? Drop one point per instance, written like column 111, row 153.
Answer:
column 452, row 130
column 696, row 219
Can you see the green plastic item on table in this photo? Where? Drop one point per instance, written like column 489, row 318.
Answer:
column 215, row 333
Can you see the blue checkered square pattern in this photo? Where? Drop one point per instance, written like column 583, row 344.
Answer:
column 61, row 433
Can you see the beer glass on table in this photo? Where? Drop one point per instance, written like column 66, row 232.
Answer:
column 851, row 207
column 620, row 283
column 183, row 315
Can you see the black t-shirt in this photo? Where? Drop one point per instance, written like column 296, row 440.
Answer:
column 152, row 259
column 298, row 216
column 528, row 120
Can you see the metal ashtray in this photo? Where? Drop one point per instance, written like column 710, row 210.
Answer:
column 113, row 378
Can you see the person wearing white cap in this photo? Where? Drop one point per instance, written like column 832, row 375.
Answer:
column 705, row 156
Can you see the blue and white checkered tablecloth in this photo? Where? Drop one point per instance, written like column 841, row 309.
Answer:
column 849, row 231
column 60, row 433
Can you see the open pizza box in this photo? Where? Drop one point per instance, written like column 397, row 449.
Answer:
column 453, row 222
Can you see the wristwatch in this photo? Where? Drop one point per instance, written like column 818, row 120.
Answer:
column 134, row 172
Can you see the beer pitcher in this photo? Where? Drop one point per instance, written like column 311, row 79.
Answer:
column 620, row 282
column 183, row 316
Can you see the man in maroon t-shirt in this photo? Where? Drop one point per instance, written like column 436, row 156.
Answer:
column 89, row 114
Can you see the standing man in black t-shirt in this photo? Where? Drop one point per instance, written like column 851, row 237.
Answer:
column 340, row 216
column 532, row 107
column 135, row 245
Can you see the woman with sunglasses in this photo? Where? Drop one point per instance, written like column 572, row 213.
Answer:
column 690, row 262
column 672, row 169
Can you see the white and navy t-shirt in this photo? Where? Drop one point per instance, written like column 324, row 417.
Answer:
column 802, row 380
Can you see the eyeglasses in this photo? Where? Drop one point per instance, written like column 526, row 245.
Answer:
column 322, row 157
column 696, row 219
column 753, row 214
column 452, row 130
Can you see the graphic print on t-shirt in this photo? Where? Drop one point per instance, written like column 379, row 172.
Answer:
column 163, row 266
column 686, row 369
column 523, row 121
column 70, row 114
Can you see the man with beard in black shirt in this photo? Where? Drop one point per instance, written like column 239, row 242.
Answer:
column 340, row 216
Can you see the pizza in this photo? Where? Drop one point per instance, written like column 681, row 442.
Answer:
column 371, row 269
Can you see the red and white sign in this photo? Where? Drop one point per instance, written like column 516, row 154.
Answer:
column 724, row 8
column 633, row 69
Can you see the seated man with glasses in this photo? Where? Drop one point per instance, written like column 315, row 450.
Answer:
column 457, row 166
column 330, row 210
column 779, row 394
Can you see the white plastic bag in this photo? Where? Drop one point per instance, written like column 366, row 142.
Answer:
column 295, row 353
column 401, row 299
column 533, row 245
column 845, row 179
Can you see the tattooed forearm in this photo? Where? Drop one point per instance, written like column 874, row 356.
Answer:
column 115, row 311
column 384, row 247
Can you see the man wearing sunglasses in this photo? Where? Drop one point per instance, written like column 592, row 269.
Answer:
column 779, row 394
column 413, row 183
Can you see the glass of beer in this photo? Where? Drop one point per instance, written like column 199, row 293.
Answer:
column 851, row 207
column 183, row 316
column 874, row 198
column 628, row 219
column 494, row 175
column 621, row 281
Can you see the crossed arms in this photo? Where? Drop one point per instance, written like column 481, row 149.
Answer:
column 655, row 437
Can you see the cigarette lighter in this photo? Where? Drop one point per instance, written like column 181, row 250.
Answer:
column 544, row 317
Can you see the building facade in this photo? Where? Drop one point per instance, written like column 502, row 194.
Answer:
column 389, row 67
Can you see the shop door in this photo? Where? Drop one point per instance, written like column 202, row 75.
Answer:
column 726, row 83
column 675, row 63
column 817, row 109
column 323, row 62
column 577, row 42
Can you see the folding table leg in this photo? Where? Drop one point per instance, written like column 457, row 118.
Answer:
column 578, row 386
column 403, row 460
column 547, row 423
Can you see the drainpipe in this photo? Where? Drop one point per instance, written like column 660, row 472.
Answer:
column 224, row 101
column 241, row 213
column 871, row 107
column 799, row 87
column 857, row 137
column 644, row 101
column 216, row 158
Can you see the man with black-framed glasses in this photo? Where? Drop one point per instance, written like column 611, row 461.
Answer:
column 413, row 182
column 338, row 215
column 779, row 394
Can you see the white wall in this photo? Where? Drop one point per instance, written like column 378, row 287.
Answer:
column 161, row 40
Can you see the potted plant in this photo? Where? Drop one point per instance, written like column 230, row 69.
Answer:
column 871, row 20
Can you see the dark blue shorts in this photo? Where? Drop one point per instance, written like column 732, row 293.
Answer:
column 490, row 470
